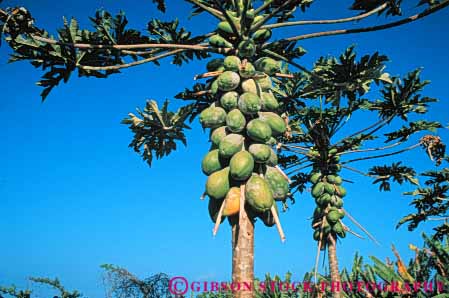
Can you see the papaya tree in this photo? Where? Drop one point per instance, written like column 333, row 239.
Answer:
column 249, row 99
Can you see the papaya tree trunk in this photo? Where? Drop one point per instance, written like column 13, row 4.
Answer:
column 333, row 267
column 243, row 255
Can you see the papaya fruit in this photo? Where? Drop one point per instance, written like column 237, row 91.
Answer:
column 260, row 152
column 211, row 162
column 331, row 178
column 225, row 28
column 338, row 228
column 268, row 65
column 219, row 42
column 276, row 123
column 341, row 191
column 258, row 194
column 217, row 135
column 337, row 201
column 241, row 165
column 333, row 151
column 317, row 235
column 326, row 229
column 232, row 202
column 262, row 35
column 229, row 100
column 217, row 185
column 318, row 190
column 250, row 86
column 268, row 218
column 232, row 63
column 214, row 208
column 228, row 81
column 315, row 177
column 247, row 70
column 230, row 145
column 269, row 102
column 271, row 142
column 213, row 117
column 264, row 81
column 215, row 64
column 214, row 87
column 317, row 213
column 249, row 103
column 235, row 121
column 273, row 160
column 333, row 217
column 335, row 158
column 338, row 180
column 329, row 188
column 324, row 199
column 258, row 130
column 278, row 184
column 246, row 48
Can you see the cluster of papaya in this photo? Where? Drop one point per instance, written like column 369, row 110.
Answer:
column 328, row 194
column 227, row 33
column 244, row 122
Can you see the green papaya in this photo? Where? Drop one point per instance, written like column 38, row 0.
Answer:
column 338, row 180
column 247, row 70
column 264, row 81
column 249, row 103
column 262, row 35
column 235, row 121
column 333, row 151
column 317, row 213
column 268, row 218
column 277, row 182
column 212, row 117
column 318, row 190
column 331, row 178
column 214, row 64
column 260, row 152
column 329, row 188
column 333, row 217
column 337, row 201
column 246, row 48
column 225, row 28
column 257, row 19
column 258, row 130
column 230, row 145
column 214, row 87
column 228, row 81
column 268, row 65
column 217, row 135
column 315, row 177
column 269, row 102
column 211, row 162
column 232, row 63
column 338, row 228
column 258, row 194
column 219, row 42
column 324, row 199
column 276, row 123
column 273, row 161
column 217, row 185
column 229, row 100
column 317, row 235
column 251, row 86
column 214, row 208
column 341, row 191
column 241, row 165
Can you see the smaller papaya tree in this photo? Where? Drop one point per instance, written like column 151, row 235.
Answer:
column 322, row 142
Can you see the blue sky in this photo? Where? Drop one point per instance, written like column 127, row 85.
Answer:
column 74, row 196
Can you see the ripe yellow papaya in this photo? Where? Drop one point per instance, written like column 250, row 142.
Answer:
column 232, row 202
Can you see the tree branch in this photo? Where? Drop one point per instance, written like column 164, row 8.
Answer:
column 263, row 6
column 127, row 65
column 122, row 46
column 321, row 22
column 383, row 155
column 372, row 28
column 371, row 149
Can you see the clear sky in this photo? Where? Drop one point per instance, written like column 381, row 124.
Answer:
column 74, row 196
